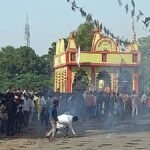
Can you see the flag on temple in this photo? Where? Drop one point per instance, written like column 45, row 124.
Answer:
column 132, row 12
column 127, row 8
column 147, row 19
column 138, row 17
column 78, row 57
column 83, row 13
column 120, row 3
column 133, row 3
column 147, row 22
column 141, row 13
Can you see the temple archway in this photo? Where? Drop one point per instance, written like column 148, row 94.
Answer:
column 125, row 84
column 103, row 80
column 81, row 81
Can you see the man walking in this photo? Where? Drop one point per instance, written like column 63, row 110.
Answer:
column 135, row 103
column 143, row 103
column 53, row 121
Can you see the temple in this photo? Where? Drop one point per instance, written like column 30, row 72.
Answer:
column 104, row 65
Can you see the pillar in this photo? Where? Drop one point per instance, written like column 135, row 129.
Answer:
column 93, row 79
column 55, row 80
column 69, row 80
column 64, row 80
column 136, row 80
column 114, row 81
column 60, row 82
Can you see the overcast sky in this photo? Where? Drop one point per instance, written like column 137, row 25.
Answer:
column 52, row 19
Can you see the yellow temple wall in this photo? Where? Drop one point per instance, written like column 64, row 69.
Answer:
column 75, row 69
column 96, row 58
column 72, row 44
column 111, row 58
column 117, row 58
column 60, row 79
column 91, row 58
column 60, row 60
column 108, row 69
column 105, row 44
column 63, row 59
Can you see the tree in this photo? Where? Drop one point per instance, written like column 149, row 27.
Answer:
column 20, row 67
column 51, row 54
column 144, row 45
column 84, row 35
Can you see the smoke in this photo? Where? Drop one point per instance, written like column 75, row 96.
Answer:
column 73, row 104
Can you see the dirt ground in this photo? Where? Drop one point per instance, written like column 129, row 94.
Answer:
column 130, row 134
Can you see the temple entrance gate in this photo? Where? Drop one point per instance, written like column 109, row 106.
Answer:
column 103, row 80
column 125, row 84
column 101, row 64
column 81, row 81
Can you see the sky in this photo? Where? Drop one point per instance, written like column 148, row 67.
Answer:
column 50, row 20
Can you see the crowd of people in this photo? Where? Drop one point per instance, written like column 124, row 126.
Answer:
column 115, row 104
column 18, row 108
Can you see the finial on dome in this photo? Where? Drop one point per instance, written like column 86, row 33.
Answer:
column 72, row 34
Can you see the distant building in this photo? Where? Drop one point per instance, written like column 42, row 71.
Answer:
column 105, row 65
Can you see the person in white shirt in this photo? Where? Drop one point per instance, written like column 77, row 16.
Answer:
column 144, row 103
column 27, row 107
column 43, row 108
column 144, row 98
column 65, row 121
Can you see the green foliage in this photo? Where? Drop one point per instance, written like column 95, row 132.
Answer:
column 81, row 81
column 22, row 67
column 144, row 44
column 84, row 35
column 51, row 54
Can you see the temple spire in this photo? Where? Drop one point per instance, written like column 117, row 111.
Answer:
column 72, row 42
column 96, row 37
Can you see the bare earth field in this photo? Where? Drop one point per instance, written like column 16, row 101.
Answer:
column 130, row 134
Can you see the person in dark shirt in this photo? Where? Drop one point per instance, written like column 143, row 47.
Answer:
column 53, row 121
column 19, row 119
column 11, row 107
